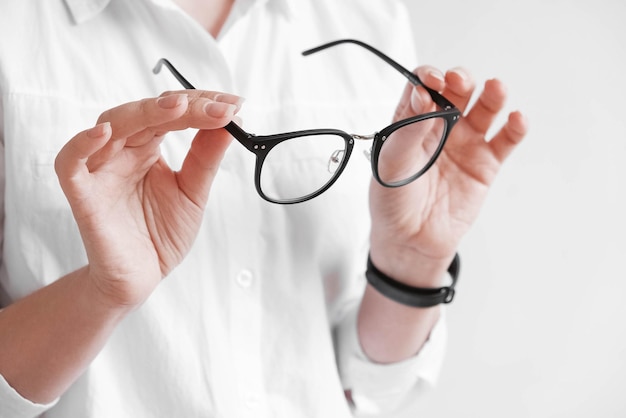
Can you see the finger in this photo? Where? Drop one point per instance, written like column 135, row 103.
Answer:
column 421, row 102
column 142, row 120
column 415, row 99
column 131, row 118
column 431, row 77
column 201, row 164
column 511, row 134
column 489, row 104
column 212, row 95
column 70, row 163
column 206, row 110
column 459, row 88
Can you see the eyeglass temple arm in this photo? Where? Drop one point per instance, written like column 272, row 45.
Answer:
column 232, row 128
column 413, row 78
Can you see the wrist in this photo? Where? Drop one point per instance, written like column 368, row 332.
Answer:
column 414, row 296
column 112, row 295
column 411, row 267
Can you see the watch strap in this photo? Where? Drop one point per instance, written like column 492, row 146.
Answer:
column 419, row 297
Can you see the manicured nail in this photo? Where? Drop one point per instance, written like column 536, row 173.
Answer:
column 437, row 75
column 99, row 130
column 460, row 72
column 229, row 98
column 219, row 109
column 416, row 99
column 171, row 101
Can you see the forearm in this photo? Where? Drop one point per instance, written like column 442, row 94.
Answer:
column 48, row 338
column 390, row 332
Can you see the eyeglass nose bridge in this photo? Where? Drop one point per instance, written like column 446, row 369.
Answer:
column 359, row 137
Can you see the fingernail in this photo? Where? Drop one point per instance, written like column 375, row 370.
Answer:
column 416, row 99
column 219, row 109
column 238, row 120
column 460, row 72
column 229, row 98
column 99, row 130
column 437, row 75
column 171, row 101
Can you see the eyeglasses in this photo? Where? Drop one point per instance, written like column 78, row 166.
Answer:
column 294, row 167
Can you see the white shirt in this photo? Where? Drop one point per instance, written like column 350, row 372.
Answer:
column 259, row 319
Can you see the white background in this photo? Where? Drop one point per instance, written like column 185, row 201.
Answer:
column 538, row 328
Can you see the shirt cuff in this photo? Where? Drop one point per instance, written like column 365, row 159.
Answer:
column 378, row 389
column 16, row 406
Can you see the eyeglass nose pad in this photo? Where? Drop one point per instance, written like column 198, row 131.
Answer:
column 335, row 160
column 368, row 154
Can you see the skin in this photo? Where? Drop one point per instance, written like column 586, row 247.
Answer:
column 138, row 219
column 211, row 14
column 116, row 183
column 417, row 228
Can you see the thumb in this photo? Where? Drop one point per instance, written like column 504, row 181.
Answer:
column 421, row 101
column 201, row 164
column 415, row 99
column 71, row 162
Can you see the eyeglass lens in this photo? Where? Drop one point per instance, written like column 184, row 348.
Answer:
column 408, row 151
column 301, row 166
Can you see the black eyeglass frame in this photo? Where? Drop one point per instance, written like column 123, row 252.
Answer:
column 261, row 145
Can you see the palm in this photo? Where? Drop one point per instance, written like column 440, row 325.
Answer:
column 171, row 217
column 450, row 194
column 137, row 217
column 430, row 215
column 131, row 210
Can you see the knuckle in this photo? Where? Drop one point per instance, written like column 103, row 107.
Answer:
column 144, row 106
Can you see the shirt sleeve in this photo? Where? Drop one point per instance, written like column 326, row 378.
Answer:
column 16, row 406
column 382, row 389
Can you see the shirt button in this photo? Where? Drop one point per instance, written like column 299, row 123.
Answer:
column 245, row 278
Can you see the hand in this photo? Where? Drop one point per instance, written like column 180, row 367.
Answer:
column 136, row 216
column 417, row 228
